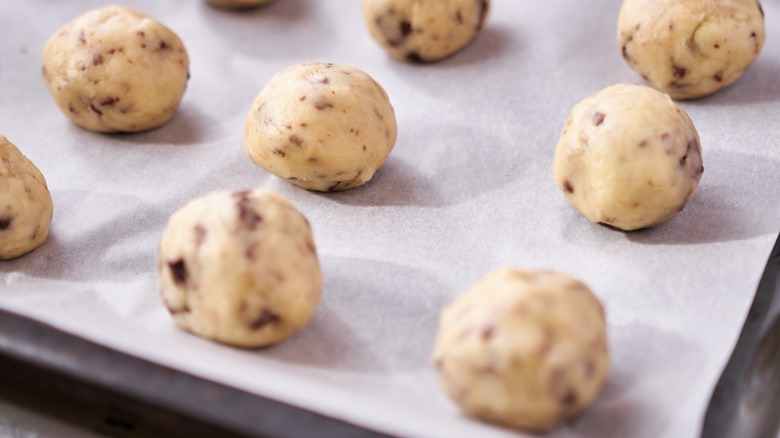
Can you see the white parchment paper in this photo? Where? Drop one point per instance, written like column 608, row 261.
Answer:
column 468, row 187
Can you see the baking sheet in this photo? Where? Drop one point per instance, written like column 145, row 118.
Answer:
column 467, row 187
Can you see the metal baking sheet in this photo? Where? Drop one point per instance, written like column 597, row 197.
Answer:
column 468, row 187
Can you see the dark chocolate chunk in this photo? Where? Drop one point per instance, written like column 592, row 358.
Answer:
column 718, row 76
column 109, row 101
column 5, row 222
column 266, row 317
column 164, row 45
column 414, row 57
column 178, row 271
column 406, row 28
column 296, row 140
column 569, row 397
column 568, row 187
column 95, row 109
column 97, row 59
column 679, row 71
column 246, row 214
column 598, row 118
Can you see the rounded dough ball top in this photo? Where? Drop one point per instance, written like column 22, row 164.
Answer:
column 690, row 48
column 628, row 157
column 116, row 69
column 237, row 4
column 240, row 268
column 525, row 349
column 322, row 127
column 25, row 203
column 424, row 30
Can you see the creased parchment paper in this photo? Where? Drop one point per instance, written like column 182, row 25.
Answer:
column 468, row 187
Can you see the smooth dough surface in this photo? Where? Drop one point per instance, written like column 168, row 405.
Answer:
column 237, row 4
column 690, row 48
column 424, row 30
column 322, row 127
column 523, row 349
column 240, row 268
column 628, row 157
column 25, row 203
column 116, row 69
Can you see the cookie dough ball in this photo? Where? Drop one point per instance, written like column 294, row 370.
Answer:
column 25, row 203
column 690, row 48
column 116, row 69
column 240, row 268
column 523, row 349
column 237, row 4
column 322, row 127
column 423, row 30
column 628, row 157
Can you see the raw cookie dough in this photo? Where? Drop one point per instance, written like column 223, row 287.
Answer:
column 116, row 69
column 322, row 127
column 25, row 203
column 240, row 268
column 237, row 4
column 424, row 30
column 690, row 48
column 523, row 349
column 628, row 157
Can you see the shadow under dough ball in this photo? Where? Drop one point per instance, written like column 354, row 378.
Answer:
column 322, row 127
column 628, row 157
column 690, row 48
column 240, row 268
column 526, row 349
column 424, row 30
column 25, row 203
column 115, row 69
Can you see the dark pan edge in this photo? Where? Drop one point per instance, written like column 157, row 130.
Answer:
column 746, row 400
column 35, row 353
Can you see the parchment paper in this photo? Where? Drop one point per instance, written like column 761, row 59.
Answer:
column 468, row 187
